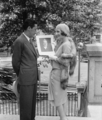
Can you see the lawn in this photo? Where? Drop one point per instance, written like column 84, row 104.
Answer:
column 6, row 61
column 73, row 79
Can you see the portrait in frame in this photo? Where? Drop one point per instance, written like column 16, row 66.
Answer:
column 45, row 45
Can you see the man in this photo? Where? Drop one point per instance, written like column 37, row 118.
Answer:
column 24, row 61
column 46, row 45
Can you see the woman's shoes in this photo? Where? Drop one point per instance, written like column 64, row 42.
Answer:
column 64, row 118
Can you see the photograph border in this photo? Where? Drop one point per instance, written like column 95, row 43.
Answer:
column 39, row 47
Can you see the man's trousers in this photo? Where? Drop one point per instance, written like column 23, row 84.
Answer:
column 27, row 100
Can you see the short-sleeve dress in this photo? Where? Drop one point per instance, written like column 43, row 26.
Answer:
column 57, row 95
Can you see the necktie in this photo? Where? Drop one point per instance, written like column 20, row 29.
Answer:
column 31, row 42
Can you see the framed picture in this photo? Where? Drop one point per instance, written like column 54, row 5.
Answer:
column 45, row 45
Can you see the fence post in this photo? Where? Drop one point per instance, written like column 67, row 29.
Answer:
column 80, row 46
column 39, row 73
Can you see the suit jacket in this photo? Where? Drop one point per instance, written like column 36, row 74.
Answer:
column 24, row 61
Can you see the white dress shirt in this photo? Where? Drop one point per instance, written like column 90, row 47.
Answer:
column 26, row 36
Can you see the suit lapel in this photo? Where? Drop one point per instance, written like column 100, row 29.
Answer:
column 31, row 47
column 34, row 51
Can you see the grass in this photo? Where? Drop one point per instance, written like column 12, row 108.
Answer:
column 5, row 61
column 73, row 79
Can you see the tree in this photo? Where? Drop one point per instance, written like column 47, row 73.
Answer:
column 14, row 13
column 80, row 15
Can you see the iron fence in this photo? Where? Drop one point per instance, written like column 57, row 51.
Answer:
column 9, row 105
column 8, row 100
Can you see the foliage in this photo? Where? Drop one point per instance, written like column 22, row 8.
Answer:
column 80, row 15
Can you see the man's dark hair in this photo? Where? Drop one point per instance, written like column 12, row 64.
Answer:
column 28, row 23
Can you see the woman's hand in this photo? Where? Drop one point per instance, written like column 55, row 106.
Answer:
column 52, row 57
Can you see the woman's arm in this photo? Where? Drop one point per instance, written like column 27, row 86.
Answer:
column 67, row 55
column 61, row 60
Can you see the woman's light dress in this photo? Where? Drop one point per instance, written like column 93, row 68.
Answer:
column 57, row 95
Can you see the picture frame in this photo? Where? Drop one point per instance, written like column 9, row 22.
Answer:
column 45, row 45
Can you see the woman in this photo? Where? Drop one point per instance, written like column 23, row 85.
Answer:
column 64, row 51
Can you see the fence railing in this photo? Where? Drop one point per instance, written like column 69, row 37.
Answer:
column 9, row 105
column 77, row 97
column 82, row 99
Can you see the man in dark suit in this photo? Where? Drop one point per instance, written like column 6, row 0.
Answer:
column 24, row 62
